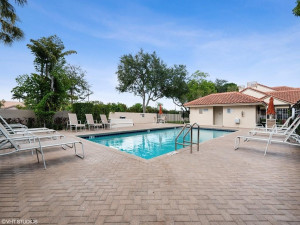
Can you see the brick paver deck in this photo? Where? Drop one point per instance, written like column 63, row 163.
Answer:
column 214, row 186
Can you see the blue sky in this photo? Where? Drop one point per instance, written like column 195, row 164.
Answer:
column 236, row 40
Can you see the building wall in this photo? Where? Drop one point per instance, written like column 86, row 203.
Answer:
column 276, row 102
column 253, row 93
column 248, row 120
column 206, row 118
column 262, row 88
column 246, row 115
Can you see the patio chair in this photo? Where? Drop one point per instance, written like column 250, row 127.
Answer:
column 73, row 122
column 104, row 121
column 30, row 136
column 39, row 146
column 290, row 138
column 15, row 128
column 278, row 127
column 162, row 119
column 276, row 130
column 91, row 122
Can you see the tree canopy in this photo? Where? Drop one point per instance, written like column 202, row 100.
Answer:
column 296, row 10
column 8, row 19
column 144, row 75
column 54, row 84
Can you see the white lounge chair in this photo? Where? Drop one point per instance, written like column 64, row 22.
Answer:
column 278, row 127
column 289, row 138
column 277, row 130
column 18, row 144
column 162, row 119
column 91, row 122
column 104, row 121
column 73, row 122
column 15, row 128
column 30, row 136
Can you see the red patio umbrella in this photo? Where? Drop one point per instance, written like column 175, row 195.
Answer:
column 160, row 110
column 271, row 108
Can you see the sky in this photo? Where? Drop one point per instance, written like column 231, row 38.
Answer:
column 235, row 40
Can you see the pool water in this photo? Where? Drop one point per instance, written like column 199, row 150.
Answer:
column 152, row 143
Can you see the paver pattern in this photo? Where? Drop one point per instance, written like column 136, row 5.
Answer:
column 216, row 185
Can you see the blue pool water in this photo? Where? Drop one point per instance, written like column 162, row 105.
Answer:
column 152, row 143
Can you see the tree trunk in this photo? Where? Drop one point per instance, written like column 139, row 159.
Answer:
column 144, row 105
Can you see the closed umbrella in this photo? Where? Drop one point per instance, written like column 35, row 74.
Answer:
column 271, row 108
column 160, row 110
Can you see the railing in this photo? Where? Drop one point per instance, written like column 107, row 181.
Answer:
column 189, row 131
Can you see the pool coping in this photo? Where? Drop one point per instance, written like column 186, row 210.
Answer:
column 132, row 156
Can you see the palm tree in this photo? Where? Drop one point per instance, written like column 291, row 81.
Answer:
column 8, row 18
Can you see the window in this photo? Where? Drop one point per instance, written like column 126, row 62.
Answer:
column 282, row 114
column 229, row 110
column 201, row 111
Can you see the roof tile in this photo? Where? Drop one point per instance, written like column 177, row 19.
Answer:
column 224, row 98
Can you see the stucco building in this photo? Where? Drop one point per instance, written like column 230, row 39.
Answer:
column 244, row 108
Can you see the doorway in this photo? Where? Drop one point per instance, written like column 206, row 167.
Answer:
column 218, row 115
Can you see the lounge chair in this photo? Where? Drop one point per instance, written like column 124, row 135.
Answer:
column 91, row 122
column 15, row 128
column 105, row 121
column 290, row 138
column 277, row 130
column 278, row 127
column 73, row 122
column 30, row 136
column 18, row 144
column 162, row 119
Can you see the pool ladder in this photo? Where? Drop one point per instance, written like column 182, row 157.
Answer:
column 189, row 131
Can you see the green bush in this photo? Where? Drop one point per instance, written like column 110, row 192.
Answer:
column 81, row 109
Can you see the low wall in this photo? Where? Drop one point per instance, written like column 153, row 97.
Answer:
column 17, row 114
column 144, row 117
column 22, row 116
column 137, row 118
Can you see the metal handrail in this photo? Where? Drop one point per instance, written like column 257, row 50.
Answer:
column 190, row 130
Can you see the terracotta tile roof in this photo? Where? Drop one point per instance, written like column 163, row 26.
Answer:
column 10, row 104
column 224, row 98
column 284, row 88
column 291, row 96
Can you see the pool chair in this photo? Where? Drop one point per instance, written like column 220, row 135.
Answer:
column 278, row 127
column 15, row 125
column 290, row 138
column 91, row 122
column 162, row 119
column 277, row 130
column 19, row 144
column 23, row 129
column 73, row 122
column 30, row 137
column 104, row 121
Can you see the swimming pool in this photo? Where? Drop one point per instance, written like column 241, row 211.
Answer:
column 151, row 143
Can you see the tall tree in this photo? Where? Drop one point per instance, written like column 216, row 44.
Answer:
column 47, row 91
column 199, row 86
column 220, row 85
column 8, row 18
column 144, row 75
column 79, row 87
column 296, row 10
column 177, row 88
column 48, row 52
